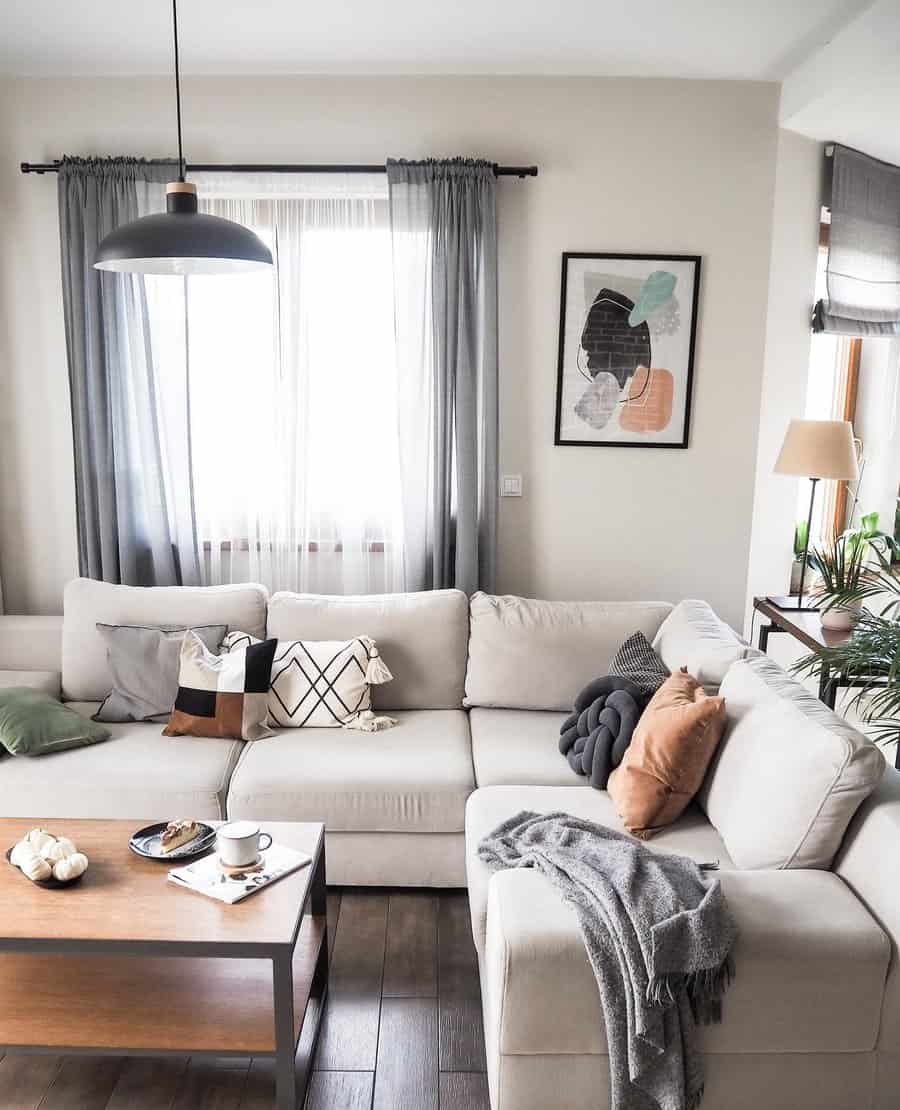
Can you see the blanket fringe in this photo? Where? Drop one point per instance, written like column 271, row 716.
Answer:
column 705, row 988
column 693, row 1101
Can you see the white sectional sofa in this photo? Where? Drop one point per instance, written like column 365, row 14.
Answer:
column 480, row 689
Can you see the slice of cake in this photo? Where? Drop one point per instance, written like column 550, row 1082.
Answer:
column 178, row 833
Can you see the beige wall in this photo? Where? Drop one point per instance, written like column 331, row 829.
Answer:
column 795, row 243
column 625, row 165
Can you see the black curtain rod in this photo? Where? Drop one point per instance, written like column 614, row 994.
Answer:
column 204, row 167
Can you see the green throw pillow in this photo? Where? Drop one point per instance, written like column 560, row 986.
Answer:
column 33, row 723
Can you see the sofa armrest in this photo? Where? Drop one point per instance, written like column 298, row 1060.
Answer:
column 48, row 682
column 810, row 969
column 868, row 863
column 31, row 643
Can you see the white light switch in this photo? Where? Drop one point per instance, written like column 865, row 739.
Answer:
column 511, row 485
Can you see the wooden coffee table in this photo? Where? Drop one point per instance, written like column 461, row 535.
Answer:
column 126, row 963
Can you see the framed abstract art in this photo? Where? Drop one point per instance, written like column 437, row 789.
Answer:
column 627, row 326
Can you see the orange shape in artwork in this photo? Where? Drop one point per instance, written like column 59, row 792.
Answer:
column 648, row 407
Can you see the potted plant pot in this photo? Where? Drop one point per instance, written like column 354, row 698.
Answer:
column 841, row 618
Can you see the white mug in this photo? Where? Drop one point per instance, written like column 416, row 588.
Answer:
column 240, row 842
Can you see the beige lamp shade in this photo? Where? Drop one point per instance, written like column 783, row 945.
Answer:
column 818, row 449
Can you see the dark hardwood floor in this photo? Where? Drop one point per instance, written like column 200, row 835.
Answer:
column 401, row 1031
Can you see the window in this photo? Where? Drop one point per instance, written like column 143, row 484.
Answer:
column 857, row 380
column 830, row 395
column 292, row 387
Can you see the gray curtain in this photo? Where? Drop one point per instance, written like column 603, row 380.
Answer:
column 863, row 270
column 133, row 492
column 444, row 241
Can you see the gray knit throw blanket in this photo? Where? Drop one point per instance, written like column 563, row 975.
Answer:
column 659, row 938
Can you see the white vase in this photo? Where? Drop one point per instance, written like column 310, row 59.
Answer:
column 842, row 617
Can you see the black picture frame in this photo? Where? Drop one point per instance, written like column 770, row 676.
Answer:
column 651, row 260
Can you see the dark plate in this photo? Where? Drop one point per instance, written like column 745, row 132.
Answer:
column 145, row 842
column 44, row 884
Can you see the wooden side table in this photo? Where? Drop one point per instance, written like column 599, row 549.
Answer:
column 806, row 628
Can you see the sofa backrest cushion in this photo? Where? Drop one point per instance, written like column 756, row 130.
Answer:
column 789, row 773
column 422, row 638
column 85, row 672
column 526, row 654
column 693, row 636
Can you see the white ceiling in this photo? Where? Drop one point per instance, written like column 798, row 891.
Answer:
column 763, row 39
column 849, row 90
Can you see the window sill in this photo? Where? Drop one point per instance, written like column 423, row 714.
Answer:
column 373, row 546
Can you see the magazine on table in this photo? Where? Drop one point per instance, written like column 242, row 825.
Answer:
column 205, row 876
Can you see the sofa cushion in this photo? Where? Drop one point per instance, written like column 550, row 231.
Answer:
column 526, row 654
column 86, row 675
column 788, row 774
column 636, row 660
column 414, row 777
column 33, row 723
column 319, row 683
column 693, row 636
column 692, row 835
column 138, row 774
column 227, row 695
column 519, row 747
column 809, row 962
column 422, row 637
column 669, row 753
column 144, row 664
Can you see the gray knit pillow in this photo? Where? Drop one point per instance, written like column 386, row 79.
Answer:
column 636, row 660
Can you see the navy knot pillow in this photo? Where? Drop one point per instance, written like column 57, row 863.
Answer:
column 594, row 738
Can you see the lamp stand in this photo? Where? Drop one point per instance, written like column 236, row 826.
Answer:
column 796, row 603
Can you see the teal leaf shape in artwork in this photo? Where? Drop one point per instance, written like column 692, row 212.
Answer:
column 655, row 291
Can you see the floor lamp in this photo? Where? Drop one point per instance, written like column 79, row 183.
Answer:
column 815, row 449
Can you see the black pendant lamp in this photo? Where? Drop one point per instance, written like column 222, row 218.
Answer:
column 182, row 240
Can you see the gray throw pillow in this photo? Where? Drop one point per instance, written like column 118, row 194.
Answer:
column 144, row 664
column 636, row 660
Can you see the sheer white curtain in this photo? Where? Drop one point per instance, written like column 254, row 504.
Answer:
column 293, row 391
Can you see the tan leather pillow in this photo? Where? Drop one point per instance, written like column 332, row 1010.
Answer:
column 669, row 753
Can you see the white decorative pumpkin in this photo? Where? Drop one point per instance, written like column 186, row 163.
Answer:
column 69, row 868
column 36, row 869
column 37, row 838
column 57, row 850
column 24, row 852
column 41, row 856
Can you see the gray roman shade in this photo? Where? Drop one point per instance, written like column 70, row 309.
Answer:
column 863, row 270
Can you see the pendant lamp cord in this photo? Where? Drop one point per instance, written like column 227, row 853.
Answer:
column 177, row 89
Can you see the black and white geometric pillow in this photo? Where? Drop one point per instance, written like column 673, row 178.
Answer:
column 637, row 661
column 318, row 683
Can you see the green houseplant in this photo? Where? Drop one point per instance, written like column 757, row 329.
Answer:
column 841, row 569
column 868, row 537
column 869, row 659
